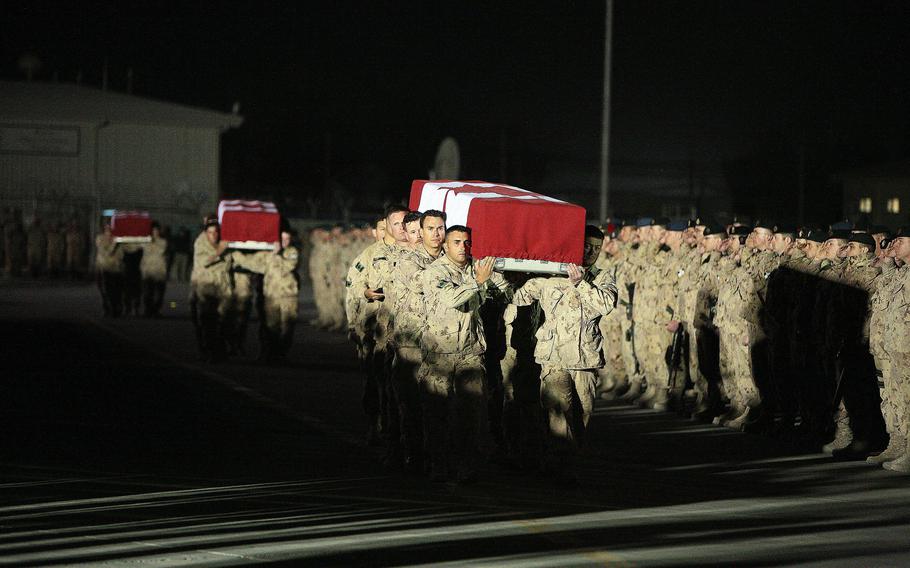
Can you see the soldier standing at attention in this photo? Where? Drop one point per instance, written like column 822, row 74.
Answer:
column 109, row 272
column 452, row 372
column 75, row 249
column 37, row 248
column 569, row 348
column 210, row 290
column 153, row 267
column 56, row 249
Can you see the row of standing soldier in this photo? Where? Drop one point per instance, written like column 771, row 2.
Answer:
column 54, row 249
column 776, row 330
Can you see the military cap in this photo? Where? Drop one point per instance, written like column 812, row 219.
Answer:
column 764, row 224
column 712, row 229
column 740, row 230
column 844, row 234
column 644, row 222
column 902, row 232
column 816, row 235
column 676, row 226
column 863, row 239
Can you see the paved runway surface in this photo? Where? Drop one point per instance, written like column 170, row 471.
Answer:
column 120, row 448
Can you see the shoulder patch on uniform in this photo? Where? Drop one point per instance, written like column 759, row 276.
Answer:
column 359, row 267
column 441, row 284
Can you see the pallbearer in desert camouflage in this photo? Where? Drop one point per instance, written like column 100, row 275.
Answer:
column 569, row 347
column 453, row 390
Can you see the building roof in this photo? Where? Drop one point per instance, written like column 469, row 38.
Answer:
column 22, row 101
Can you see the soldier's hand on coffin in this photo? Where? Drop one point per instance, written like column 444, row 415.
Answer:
column 372, row 295
column 483, row 269
column 574, row 273
column 672, row 326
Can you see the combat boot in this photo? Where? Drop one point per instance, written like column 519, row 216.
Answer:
column 901, row 464
column 843, row 436
column 737, row 422
column 645, row 399
column 732, row 413
column 633, row 393
column 660, row 402
column 859, row 449
column 896, row 448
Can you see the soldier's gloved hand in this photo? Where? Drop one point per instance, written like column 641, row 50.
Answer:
column 483, row 269
column 575, row 274
column 673, row 326
column 745, row 340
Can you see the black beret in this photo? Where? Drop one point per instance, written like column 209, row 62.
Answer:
column 740, row 230
column 714, row 229
column 879, row 229
column 763, row 224
column 863, row 239
column 844, row 234
column 816, row 235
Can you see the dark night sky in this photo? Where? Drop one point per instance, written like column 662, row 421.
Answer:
column 703, row 79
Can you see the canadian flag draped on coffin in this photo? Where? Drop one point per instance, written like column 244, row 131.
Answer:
column 252, row 225
column 506, row 221
column 131, row 227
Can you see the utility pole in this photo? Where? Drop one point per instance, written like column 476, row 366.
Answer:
column 605, row 131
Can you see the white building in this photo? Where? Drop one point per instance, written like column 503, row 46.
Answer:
column 69, row 151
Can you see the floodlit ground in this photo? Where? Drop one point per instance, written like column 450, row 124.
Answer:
column 121, row 448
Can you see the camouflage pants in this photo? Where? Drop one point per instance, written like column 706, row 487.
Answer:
column 407, row 432
column 280, row 320
column 209, row 307
column 614, row 370
column 153, row 295
column 656, row 341
column 110, row 285
column 567, row 399
column 454, row 400
column 629, row 350
column 521, row 413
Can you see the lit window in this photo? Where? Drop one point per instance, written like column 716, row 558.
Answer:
column 894, row 205
column 865, row 205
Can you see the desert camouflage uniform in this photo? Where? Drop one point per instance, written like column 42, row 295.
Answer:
column 153, row 268
column 451, row 375
column 404, row 292
column 211, row 287
column 569, row 348
column 109, row 274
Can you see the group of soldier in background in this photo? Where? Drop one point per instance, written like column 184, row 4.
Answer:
column 798, row 333
column 224, row 286
column 802, row 334
column 44, row 249
column 453, row 351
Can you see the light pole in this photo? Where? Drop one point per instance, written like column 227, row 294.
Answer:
column 605, row 131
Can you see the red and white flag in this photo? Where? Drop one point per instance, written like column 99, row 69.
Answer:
column 245, row 221
column 507, row 221
column 131, row 226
